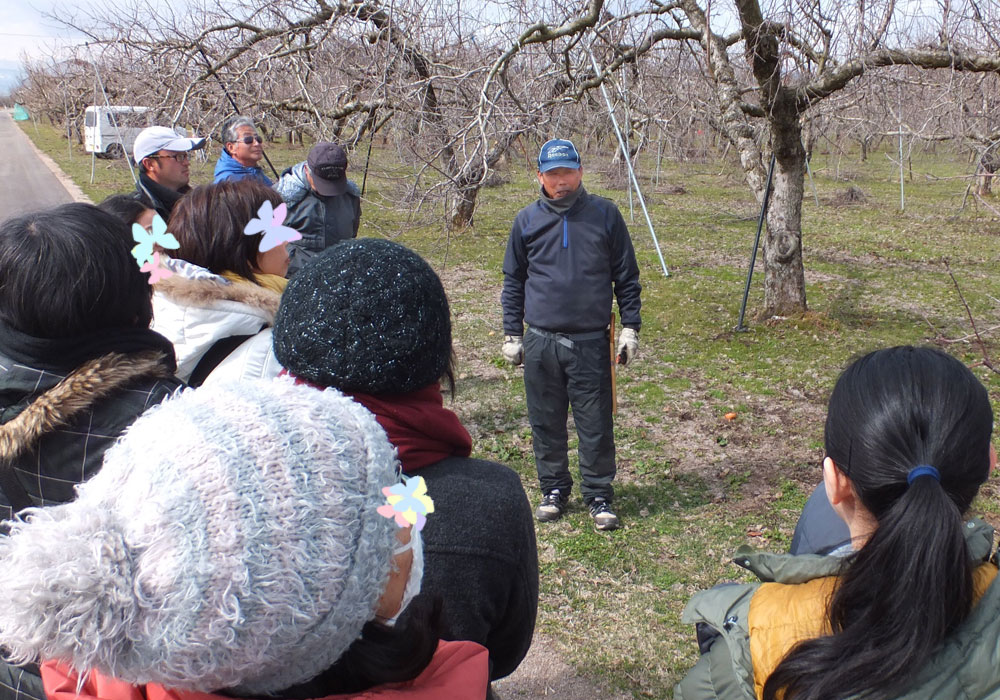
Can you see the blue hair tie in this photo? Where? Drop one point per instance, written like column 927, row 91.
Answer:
column 923, row 470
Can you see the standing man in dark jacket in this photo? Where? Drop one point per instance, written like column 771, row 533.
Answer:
column 566, row 254
column 323, row 205
column 164, row 169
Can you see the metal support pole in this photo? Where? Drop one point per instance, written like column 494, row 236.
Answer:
column 628, row 162
column 368, row 158
column 902, row 190
column 69, row 130
column 623, row 91
column 740, row 328
column 809, row 172
column 118, row 131
column 659, row 158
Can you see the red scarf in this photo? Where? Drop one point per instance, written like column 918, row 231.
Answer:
column 423, row 431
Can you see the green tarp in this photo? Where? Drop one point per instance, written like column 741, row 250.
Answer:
column 20, row 113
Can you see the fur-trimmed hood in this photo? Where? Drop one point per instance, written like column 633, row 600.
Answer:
column 205, row 292
column 77, row 392
column 56, row 425
column 196, row 309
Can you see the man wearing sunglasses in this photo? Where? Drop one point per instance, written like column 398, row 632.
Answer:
column 242, row 150
column 162, row 156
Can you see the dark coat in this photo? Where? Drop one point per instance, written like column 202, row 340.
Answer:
column 161, row 198
column 322, row 221
column 480, row 557
column 57, row 422
column 560, row 268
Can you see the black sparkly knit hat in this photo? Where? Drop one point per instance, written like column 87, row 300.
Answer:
column 368, row 316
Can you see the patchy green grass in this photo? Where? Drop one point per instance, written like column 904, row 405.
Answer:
column 693, row 485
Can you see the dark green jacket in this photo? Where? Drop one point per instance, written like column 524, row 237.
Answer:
column 966, row 666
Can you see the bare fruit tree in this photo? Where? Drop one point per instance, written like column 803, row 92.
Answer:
column 767, row 73
column 455, row 85
column 788, row 63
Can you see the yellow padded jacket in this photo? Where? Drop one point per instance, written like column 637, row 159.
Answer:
column 745, row 630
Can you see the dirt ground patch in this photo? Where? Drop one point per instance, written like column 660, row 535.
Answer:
column 742, row 459
column 544, row 674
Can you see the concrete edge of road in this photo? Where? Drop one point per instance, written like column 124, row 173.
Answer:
column 65, row 180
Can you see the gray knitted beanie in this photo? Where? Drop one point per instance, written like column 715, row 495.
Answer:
column 231, row 540
column 365, row 316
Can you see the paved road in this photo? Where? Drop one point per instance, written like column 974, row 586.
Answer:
column 26, row 183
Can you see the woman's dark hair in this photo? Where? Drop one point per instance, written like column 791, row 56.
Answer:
column 382, row 654
column 910, row 585
column 126, row 207
column 209, row 220
column 69, row 271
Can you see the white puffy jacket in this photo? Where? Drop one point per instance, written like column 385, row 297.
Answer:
column 196, row 308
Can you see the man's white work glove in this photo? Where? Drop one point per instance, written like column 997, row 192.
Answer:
column 512, row 349
column 628, row 345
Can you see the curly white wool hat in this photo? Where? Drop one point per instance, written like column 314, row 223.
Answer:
column 231, row 540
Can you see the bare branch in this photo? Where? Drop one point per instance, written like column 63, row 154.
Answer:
column 825, row 85
column 987, row 362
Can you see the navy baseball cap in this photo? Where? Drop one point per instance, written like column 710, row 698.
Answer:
column 558, row 153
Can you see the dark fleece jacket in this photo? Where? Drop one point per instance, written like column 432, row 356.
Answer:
column 561, row 268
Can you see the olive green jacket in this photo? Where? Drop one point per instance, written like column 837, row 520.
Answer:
column 967, row 666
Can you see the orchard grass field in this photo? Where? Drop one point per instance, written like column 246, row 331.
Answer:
column 694, row 482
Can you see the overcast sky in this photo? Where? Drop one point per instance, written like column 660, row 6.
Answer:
column 26, row 31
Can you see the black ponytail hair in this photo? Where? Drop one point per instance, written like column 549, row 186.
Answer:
column 910, row 585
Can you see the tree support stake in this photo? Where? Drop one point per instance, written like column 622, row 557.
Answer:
column 740, row 328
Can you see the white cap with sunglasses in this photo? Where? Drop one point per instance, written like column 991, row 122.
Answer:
column 162, row 138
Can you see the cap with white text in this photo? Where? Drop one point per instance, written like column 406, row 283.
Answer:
column 328, row 165
column 558, row 153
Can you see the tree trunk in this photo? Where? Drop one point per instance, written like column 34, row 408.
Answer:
column 784, row 275
column 984, row 183
column 989, row 163
column 461, row 207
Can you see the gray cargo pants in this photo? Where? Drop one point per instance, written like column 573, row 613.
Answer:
column 563, row 369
